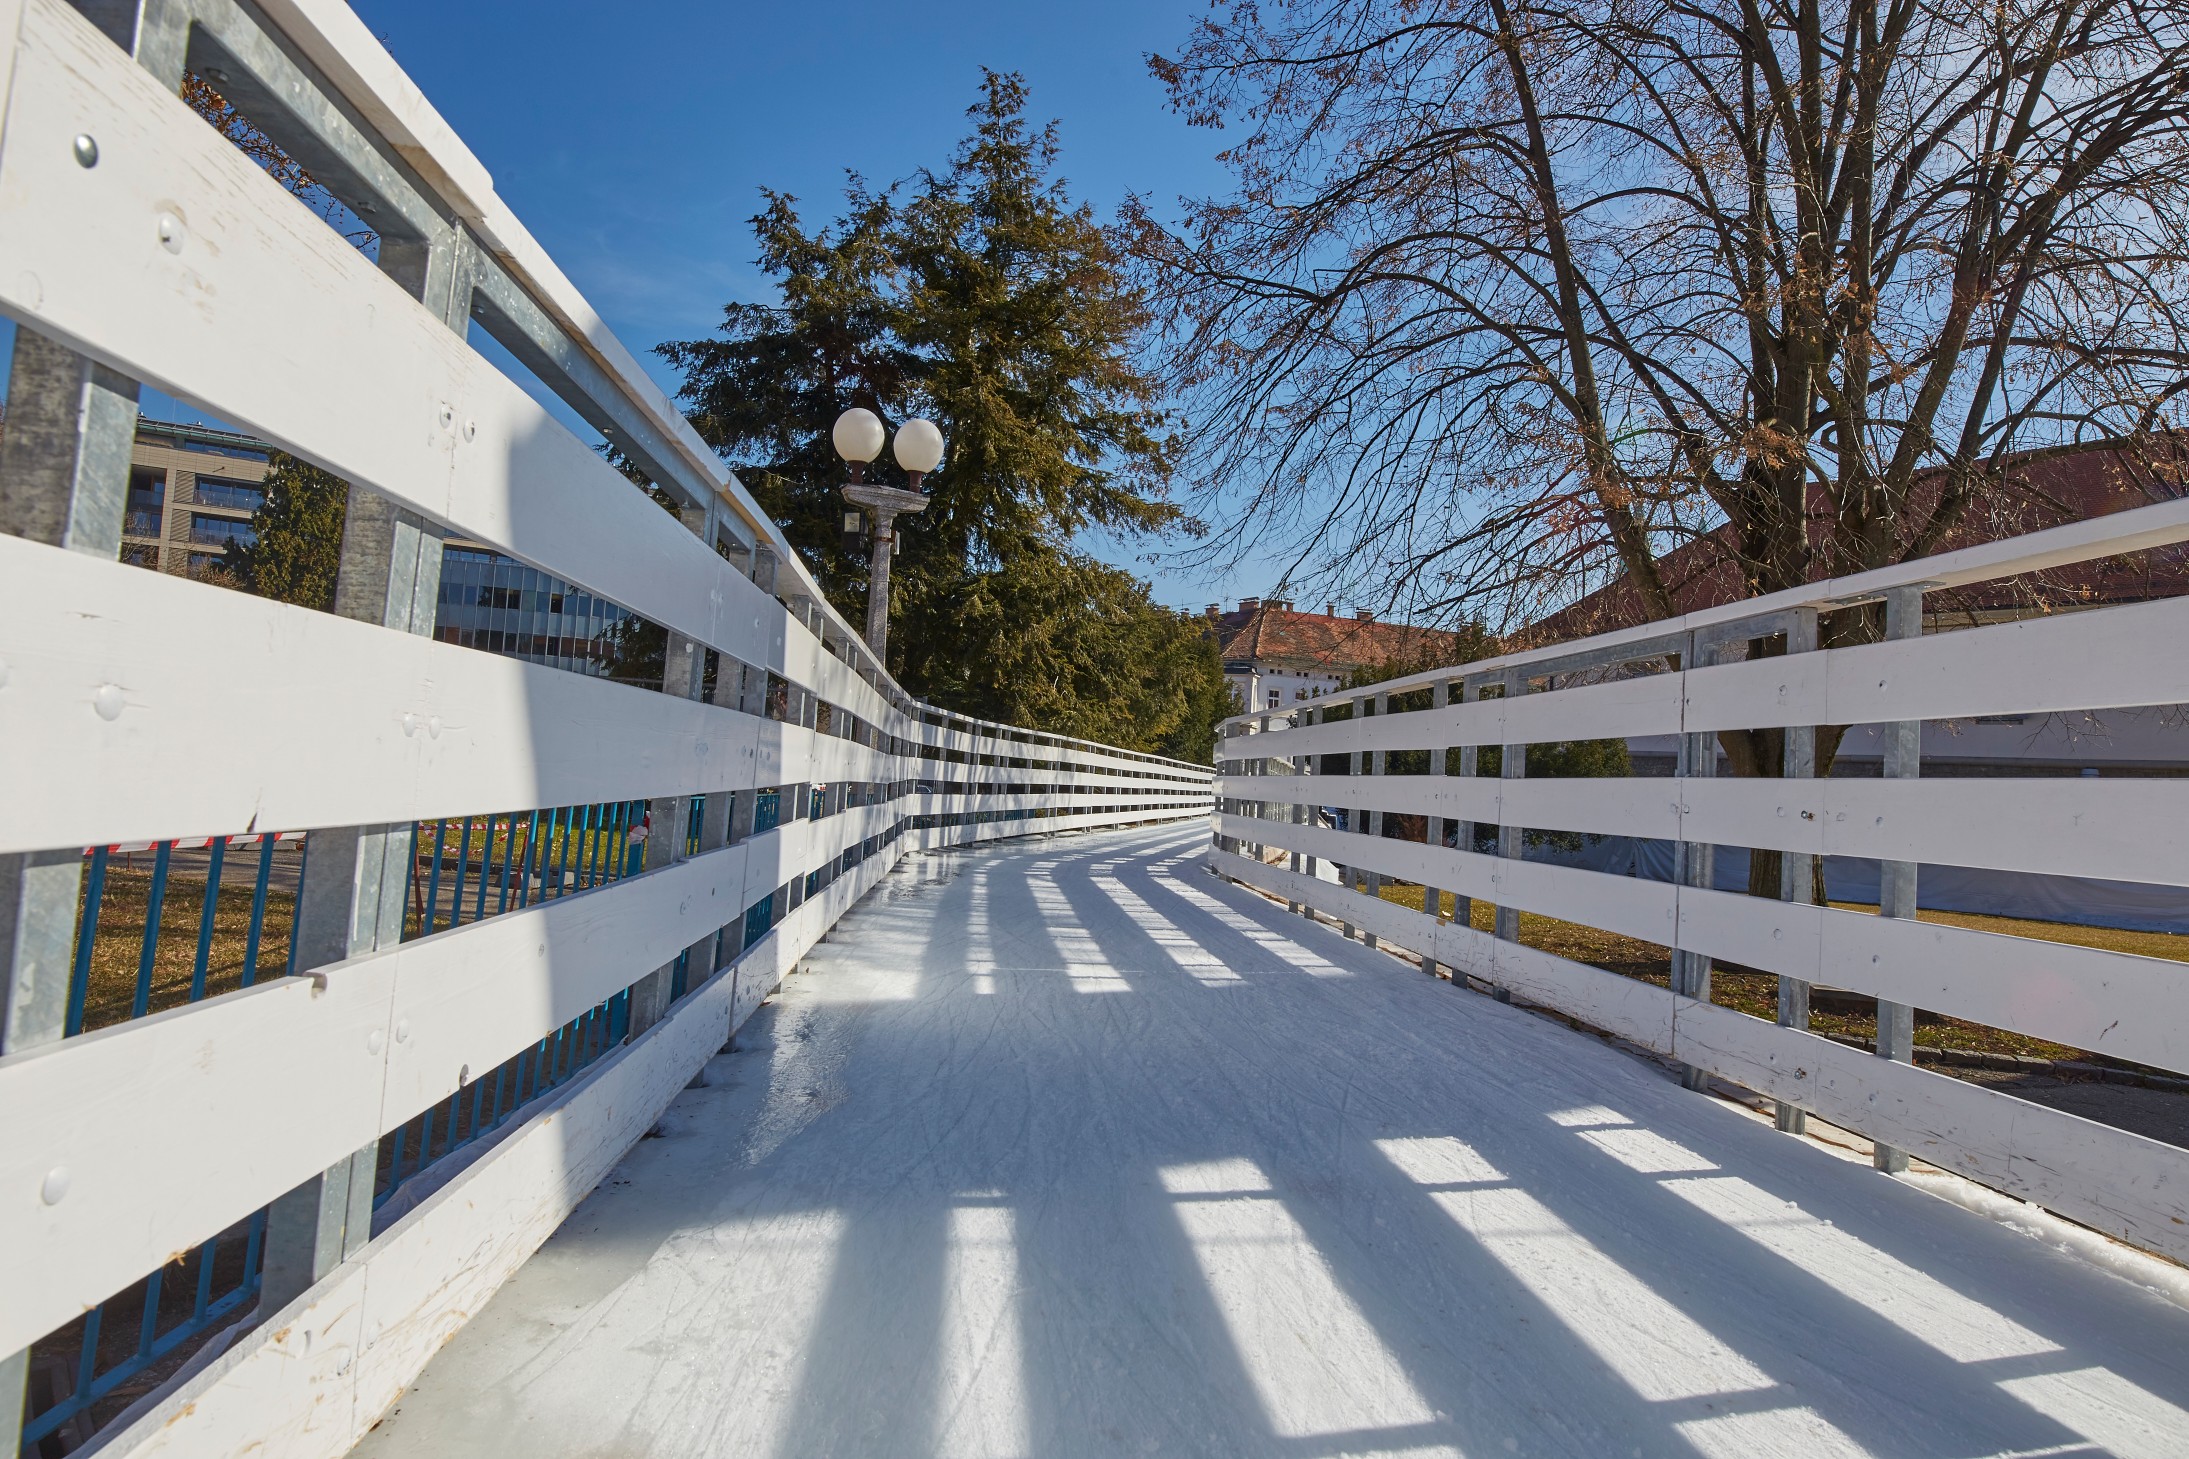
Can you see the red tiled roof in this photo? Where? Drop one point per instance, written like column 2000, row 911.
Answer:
column 1276, row 637
column 2046, row 493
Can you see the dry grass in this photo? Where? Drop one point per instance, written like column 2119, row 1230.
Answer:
column 584, row 854
column 1757, row 993
column 117, row 951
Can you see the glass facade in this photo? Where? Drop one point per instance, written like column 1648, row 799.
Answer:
column 211, row 531
column 495, row 603
column 245, row 495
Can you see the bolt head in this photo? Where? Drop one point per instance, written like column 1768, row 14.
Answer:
column 86, row 149
column 107, row 701
column 54, row 1188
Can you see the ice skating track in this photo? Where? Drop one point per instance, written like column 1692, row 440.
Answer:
column 1068, row 1148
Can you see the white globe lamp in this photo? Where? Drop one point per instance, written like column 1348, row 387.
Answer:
column 919, row 448
column 858, row 437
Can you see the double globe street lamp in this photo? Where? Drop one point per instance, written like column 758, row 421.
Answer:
column 858, row 436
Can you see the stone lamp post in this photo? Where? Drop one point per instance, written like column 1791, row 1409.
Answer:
column 858, row 436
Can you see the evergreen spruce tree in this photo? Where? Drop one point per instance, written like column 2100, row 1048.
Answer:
column 989, row 302
column 297, row 549
column 765, row 391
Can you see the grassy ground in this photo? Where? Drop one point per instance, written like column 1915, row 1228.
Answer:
column 117, row 952
column 1757, row 993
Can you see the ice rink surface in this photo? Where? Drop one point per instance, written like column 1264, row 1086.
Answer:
column 1067, row 1149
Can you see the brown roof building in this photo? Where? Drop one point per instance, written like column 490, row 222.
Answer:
column 1276, row 656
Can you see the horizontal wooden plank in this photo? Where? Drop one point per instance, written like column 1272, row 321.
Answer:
column 474, row 996
column 270, row 319
column 2123, row 829
column 311, row 715
column 2116, row 1182
column 2107, row 1002
column 315, row 720
column 127, row 1116
column 1622, row 904
column 2089, row 540
column 2101, row 659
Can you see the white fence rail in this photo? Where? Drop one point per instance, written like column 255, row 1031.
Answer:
column 1304, row 792
column 138, row 245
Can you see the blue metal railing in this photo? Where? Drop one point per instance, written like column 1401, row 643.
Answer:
column 518, row 859
column 486, row 1104
column 149, row 990
column 169, row 1315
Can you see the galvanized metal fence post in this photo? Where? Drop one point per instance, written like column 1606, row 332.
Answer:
column 1797, row 869
column 354, row 891
column 683, row 673
column 1259, row 766
column 1463, row 832
column 1292, row 806
column 1432, row 832
column 1512, row 764
column 1896, row 879
column 1356, row 764
column 1311, row 767
column 1694, row 862
column 64, row 480
column 1372, row 881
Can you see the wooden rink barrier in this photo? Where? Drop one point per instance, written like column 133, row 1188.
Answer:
column 1693, row 678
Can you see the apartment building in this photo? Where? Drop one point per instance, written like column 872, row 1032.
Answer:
column 192, row 490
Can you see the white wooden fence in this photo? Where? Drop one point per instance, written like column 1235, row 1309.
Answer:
column 137, row 244
column 1283, row 823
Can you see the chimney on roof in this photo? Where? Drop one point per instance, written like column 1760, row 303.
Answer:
column 1330, row 610
column 1364, row 615
column 1215, row 610
column 1248, row 605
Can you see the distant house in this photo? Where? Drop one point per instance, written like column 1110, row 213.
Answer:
column 1276, row 657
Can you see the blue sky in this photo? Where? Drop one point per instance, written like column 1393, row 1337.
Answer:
column 633, row 138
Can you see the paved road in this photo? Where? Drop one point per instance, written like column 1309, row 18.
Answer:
column 1069, row 1149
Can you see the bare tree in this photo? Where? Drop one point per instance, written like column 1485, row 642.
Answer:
column 1510, row 297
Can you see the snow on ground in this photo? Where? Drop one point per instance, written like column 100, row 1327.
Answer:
column 1067, row 1148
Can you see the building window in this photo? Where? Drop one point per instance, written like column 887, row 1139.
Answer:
column 241, row 494
column 1274, row 696
column 140, row 554
column 220, row 531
